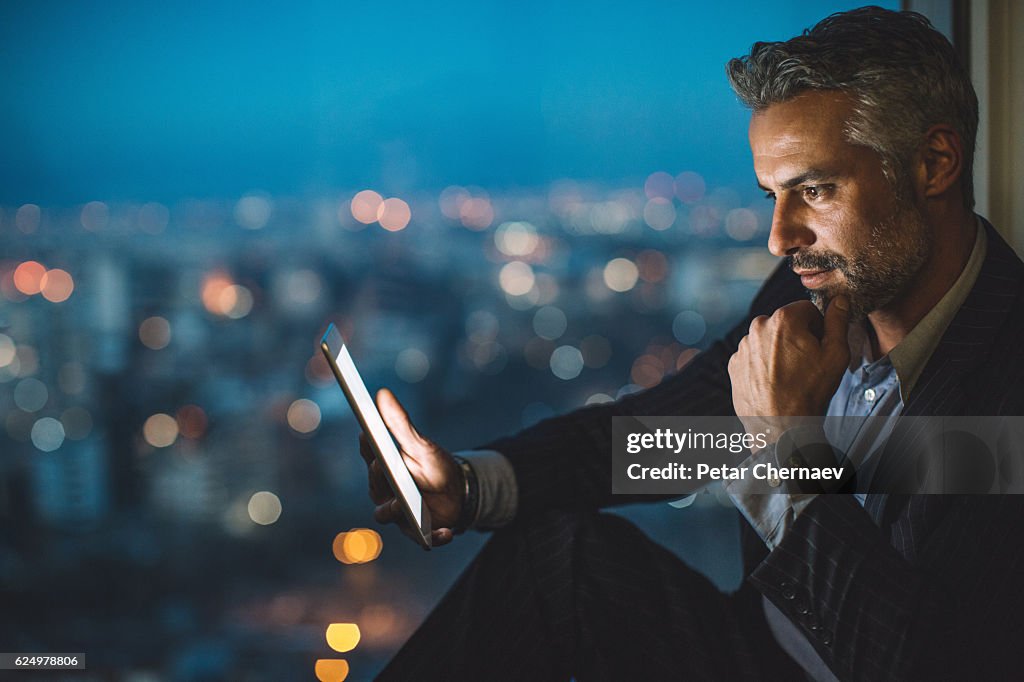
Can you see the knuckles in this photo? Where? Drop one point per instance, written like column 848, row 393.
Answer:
column 793, row 320
column 797, row 312
column 759, row 323
column 802, row 306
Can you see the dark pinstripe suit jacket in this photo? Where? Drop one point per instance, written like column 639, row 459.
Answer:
column 905, row 587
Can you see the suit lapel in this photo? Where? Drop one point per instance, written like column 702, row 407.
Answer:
column 942, row 389
column 968, row 339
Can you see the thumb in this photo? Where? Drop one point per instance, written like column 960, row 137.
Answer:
column 837, row 325
column 397, row 420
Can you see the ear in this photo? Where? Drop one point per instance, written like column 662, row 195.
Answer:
column 941, row 161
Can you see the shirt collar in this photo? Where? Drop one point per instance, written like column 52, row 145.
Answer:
column 911, row 355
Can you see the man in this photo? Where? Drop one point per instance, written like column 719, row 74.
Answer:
column 862, row 134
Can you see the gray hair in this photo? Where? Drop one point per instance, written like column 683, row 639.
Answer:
column 903, row 76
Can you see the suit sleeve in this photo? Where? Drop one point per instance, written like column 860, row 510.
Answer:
column 950, row 611
column 565, row 462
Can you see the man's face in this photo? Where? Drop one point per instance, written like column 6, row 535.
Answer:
column 836, row 215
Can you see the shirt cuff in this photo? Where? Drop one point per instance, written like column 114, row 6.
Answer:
column 770, row 513
column 499, row 492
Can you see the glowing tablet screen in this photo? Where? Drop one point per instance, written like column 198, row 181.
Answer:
column 371, row 421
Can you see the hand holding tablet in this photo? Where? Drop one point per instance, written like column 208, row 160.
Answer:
column 415, row 482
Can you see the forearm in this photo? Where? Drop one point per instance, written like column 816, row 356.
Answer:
column 566, row 461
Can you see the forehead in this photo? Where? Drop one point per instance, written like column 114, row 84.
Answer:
column 807, row 129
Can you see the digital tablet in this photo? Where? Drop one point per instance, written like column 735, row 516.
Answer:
column 387, row 453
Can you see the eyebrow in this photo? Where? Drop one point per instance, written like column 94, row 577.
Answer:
column 809, row 175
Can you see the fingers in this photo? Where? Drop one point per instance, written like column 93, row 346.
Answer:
column 378, row 484
column 397, row 421
column 364, row 449
column 380, row 491
column 801, row 318
column 441, row 536
column 388, row 512
column 391, row 512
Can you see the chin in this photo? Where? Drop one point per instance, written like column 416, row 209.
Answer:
column 822, row 297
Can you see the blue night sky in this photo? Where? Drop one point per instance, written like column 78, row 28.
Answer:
column 159, row 101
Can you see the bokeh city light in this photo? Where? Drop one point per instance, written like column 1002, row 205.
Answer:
column 304, row 416
column 264, row 508
column 343, row 637
column 331, row 670
column 160, row 430
column 155, row 332
column 28, row 277
column 357, row 546
column 393, row 214
column 56, row 285
column 621, row 274
column 366, row 206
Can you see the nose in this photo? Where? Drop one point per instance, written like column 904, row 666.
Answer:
column 789, row 231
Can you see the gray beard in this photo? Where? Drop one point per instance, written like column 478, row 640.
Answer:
column 881, row 271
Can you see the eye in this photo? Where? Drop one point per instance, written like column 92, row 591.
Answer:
column 770, row 196
column 816, row 191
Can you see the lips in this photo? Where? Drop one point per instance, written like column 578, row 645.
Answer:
column 813, row 279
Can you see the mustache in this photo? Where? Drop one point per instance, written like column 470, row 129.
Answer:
column 827, row 260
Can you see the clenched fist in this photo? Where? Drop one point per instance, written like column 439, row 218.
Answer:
column 789, row 365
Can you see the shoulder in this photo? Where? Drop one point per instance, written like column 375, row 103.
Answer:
column 998, row 379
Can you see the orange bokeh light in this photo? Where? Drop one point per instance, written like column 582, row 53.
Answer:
column 217, row 294
column 28, row 277
column 331, row 669
column 343, row 637
column 357, row 546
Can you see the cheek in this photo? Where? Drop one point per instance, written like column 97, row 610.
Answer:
column 846, row 230
column 833, row 233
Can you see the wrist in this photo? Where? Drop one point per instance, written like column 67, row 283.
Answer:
column 470, row 497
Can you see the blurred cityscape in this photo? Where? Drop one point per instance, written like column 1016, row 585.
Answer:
column 181, row 496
